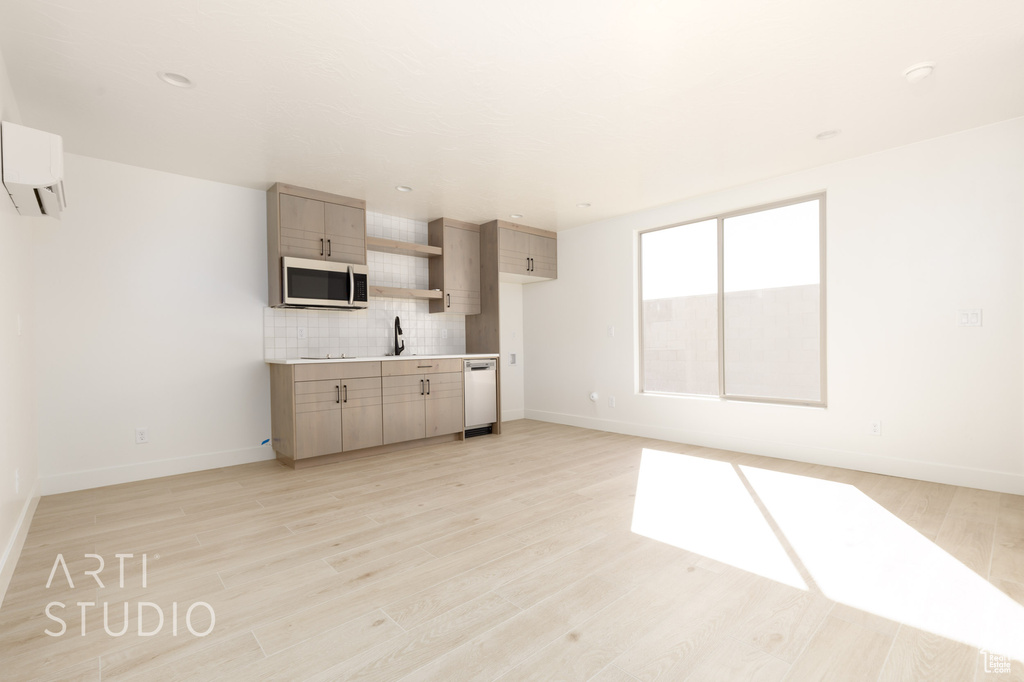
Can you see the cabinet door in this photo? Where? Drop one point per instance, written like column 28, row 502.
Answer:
column 302, row 228
column 402, row 397
column 513, row 251
column 544, row 252
column 345, row 231
column 461, row 271
column 362, row 415
column 317, row 418
column 445, row 406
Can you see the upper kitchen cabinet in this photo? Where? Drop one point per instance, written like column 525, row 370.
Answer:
column 307, row 223
column 456, row 272
column 508, row 253
column 526, row 254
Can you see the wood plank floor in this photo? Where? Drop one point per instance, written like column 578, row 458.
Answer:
column 513, row 557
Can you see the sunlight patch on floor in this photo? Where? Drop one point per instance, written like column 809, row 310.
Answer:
column 675, row 490
column 851, row 548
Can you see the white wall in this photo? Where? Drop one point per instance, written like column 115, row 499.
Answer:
column 914, row 234
column 18, row 494
column 510, row 323
column 149, row 297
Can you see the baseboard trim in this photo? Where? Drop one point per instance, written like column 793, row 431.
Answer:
column 128, row 473
column 512, row 415
column 948, row 474
column 9, row 559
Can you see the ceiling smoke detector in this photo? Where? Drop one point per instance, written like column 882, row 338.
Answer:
column 175, row 79
column 918, row 72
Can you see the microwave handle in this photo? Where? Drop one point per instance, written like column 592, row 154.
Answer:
column 351, row 286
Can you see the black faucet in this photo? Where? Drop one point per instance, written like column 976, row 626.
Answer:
column 399, row 343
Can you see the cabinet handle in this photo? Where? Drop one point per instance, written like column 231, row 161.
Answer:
column 338, row 389
column 428, row 386
column 449, row 300
column 345, row 399
column 527, row 264
column 328, row 248
column 532, row 266
column 421, row 386
column 321, row 247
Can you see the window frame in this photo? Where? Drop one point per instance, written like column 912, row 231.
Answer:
column 822, row 320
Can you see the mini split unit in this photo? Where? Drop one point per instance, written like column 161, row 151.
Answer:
column 33, row 169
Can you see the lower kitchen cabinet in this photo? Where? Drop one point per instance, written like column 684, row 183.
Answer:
column 361, row 414
column 422, row 399
column 324, row 409
column 317, row 418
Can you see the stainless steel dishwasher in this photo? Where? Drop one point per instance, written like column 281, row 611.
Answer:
column 481, row 378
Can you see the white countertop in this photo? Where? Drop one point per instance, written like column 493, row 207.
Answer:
column 381, row 358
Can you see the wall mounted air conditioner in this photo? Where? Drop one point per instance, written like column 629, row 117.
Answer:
column 33, row 169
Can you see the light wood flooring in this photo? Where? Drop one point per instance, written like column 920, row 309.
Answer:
column 504, row 557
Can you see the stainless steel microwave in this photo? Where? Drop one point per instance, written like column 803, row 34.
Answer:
column 323, row 284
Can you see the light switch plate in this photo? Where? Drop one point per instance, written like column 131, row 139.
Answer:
column 511, row 358
column 968, row 318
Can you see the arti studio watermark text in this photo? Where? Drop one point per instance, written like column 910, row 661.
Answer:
column 150, row 616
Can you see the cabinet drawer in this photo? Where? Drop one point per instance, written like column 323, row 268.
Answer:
column 337, row 370
column 422, row 366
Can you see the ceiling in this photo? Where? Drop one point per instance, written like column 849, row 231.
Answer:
column 487, row 109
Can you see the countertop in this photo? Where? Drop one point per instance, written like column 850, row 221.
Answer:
column 381, row 358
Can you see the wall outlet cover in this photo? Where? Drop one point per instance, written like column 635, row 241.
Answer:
column 511, row 358
column 875, row 427
column 142, row 435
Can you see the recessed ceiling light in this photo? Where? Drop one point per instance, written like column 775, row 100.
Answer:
column 175, row 79
column 583, row 205
column 403, row 188
column 515, row 215
column 827, row 134
column 918, row 72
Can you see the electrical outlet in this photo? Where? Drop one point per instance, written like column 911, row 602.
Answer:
column 444, row 333
column 511, row 358
column 611, row 401
column 875, row 427
column 611, row 330
column 142, row 435
column 300, row 333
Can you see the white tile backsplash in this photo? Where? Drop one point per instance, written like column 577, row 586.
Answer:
column 371, row 332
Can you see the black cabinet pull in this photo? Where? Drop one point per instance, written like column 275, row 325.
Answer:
column 338, row 389
column 328, row 248
column 321, row 247
column 527, row 264
column 428, row 386
column 345, row 399
column 449, row 300
column 421, row 386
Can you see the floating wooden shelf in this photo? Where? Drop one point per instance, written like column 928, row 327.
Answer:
column 402, row 248
column 397, row 292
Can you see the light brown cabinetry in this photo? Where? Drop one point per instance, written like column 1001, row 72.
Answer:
column 306, row 223
column 513, row 253
column 456, row 272
column 527, row 253
column 422, row 399
column 325, row 408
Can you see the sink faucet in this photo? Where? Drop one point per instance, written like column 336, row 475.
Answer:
column 399, row 343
